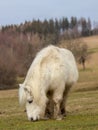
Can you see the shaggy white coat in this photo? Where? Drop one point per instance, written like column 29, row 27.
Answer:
column 53, row 69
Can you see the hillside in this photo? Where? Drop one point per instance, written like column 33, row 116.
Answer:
column 82, row 104
column 92, row 43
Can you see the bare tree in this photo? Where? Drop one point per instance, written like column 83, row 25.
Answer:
column 79, row 48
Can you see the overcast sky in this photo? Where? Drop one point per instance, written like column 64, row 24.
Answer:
column 18, row 11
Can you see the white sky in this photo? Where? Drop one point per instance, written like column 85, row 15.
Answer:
column 18, row 11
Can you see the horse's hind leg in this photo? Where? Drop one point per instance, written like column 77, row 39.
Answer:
column 63, row 103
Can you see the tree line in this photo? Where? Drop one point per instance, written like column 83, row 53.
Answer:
column 54, row 26
column 20, row 43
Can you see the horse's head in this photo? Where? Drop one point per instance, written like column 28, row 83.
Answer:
column 35, row 111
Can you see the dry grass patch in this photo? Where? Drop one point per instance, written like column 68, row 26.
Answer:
column 92, row 41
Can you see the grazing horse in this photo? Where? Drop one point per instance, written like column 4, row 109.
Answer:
column 49, row 78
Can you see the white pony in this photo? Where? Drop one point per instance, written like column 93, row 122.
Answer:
column 53, row 71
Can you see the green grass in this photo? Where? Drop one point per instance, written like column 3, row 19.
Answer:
column 72, row 122
column 82, row 109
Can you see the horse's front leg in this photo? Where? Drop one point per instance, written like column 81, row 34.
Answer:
column 57, row 102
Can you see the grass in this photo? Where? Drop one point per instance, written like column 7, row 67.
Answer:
column 80, row 122
column 82, row 109
column 92, row 50
column 82, row 104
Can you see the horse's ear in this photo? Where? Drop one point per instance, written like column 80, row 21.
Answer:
column 20, row 85
column 22, row 94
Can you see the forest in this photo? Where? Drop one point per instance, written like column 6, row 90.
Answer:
column 20, row 43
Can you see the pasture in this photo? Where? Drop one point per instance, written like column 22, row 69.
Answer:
column 82, row 104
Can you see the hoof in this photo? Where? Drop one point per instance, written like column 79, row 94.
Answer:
column 59, row 118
